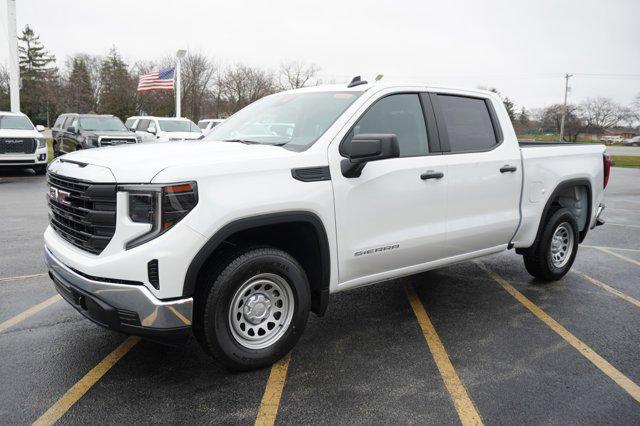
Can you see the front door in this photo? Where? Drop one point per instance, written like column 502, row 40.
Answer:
column 391, row 217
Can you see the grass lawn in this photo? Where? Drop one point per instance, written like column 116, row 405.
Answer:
column 626, row 160
column 50, row 149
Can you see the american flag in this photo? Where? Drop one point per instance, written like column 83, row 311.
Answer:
column 157, row 80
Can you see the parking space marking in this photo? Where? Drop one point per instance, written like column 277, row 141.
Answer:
column 610, row 248
column 463, row 404
column 21, row 277
column 273, row 392
column 614, row 374
column 29, row 312
column 619, row 256
column 61, row 406
column 608, row 288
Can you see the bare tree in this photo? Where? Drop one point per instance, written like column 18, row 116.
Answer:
column 242, row 85
column 4, row 89
column 198, row 74
column 551, row 116
column 297, row 74
column 603, row 113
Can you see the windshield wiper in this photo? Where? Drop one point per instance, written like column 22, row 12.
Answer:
column 244, row 141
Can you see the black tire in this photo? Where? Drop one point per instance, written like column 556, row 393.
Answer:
column 218, row 288
column 538, row 259
column 40, row 169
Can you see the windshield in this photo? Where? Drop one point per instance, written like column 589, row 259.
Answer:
column 102, row 124
column 16, row 122
column 178, row 126
column 295, row 120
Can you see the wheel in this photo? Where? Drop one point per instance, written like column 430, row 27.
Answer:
column 552, row 256
column 251, row 310
column 40, row 169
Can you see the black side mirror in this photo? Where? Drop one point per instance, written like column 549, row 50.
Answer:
column 365, row 147
column 72, row 129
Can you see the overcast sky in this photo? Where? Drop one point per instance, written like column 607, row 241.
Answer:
column 523, row 48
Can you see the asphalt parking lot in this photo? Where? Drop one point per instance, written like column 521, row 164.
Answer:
column 478, row 342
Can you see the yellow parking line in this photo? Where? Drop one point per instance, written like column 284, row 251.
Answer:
column 21, row 277
column 464, row 406
column 273, row 392
column 61, row 406
column 29, row 312
column 623, row 381
column 619, row 256
column 608, row 288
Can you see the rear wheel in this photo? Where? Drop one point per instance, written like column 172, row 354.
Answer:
column 252, row 309
column 552, row 256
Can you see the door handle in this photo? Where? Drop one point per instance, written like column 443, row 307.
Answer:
column 508, row 169
column 430, row 174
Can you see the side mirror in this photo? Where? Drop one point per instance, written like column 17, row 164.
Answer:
column 364, row 148
column 40, row 128
column 72, row 129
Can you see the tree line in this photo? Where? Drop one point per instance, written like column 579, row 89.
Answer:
column 107, row 85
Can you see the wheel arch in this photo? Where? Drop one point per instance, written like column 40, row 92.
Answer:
column 319, row 281
column 553, row 200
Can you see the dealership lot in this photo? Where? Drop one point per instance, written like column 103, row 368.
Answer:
column 477, row 342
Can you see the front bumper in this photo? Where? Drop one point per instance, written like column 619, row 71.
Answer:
column 127, row 308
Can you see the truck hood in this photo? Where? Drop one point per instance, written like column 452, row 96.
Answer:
column 139, row 163
column 17, row 133
column 180, row 135
column 110, row 133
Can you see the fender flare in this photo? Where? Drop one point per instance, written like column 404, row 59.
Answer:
column 322, row 298
column 561, row 186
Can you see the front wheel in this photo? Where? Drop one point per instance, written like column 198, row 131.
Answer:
column 252, row 310
column 552, row 256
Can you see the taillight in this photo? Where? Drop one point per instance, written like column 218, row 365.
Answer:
column 606, row 161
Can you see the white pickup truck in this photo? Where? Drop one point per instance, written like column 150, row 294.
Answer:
column 303, row 194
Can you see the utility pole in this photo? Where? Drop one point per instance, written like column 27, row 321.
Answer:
column 14, row 67
column 564, row 106
column 179, row 55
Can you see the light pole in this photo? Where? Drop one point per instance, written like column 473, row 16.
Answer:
column 564, row 106
column 179, row 55
column 14, row 67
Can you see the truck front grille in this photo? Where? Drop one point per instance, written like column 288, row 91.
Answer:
column 83, row 213
column 116, row 141
column 17, row 145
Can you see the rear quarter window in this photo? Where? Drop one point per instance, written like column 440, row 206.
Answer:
column 468, row 123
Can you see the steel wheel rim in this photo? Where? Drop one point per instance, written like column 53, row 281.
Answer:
column 561, row 245
column 261, row 311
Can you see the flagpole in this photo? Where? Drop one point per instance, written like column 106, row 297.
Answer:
column 14, row 68
column 179, row 55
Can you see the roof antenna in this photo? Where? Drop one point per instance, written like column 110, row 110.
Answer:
column 356, row 81
column 379, row 77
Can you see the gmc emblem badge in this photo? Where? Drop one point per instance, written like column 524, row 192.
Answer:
column 59, row 195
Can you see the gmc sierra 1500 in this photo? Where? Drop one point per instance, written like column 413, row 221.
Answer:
column 303, row 194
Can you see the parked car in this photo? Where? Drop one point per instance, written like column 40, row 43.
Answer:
column 164, row 128
column 208, row 124
column 610, row 139
column 73, row 132
column 21, row 144
column 634, row 141
column 238, row 239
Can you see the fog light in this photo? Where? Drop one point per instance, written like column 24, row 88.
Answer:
column 42, row 157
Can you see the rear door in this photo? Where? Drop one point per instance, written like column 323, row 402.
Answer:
column 390, row 218
column 484, row 173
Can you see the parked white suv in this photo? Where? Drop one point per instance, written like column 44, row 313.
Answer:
column 303, row 194
column 163, row 128
column 21, row 144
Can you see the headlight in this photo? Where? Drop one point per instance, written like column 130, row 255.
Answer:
column 41, row 143
column 161, row 206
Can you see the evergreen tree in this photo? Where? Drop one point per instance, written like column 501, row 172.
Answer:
column 79, row 87
column 523, row 117
column 510, row 107
column 117, row 87
column 39, row 78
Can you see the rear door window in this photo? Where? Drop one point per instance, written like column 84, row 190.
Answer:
column 468, row 123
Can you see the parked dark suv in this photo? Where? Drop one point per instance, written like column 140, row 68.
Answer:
column 72, row 132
